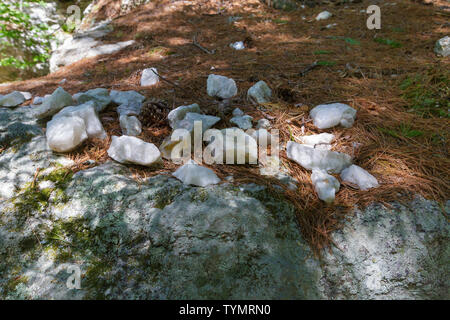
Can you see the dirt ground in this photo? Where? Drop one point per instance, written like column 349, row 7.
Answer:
column 393, row 78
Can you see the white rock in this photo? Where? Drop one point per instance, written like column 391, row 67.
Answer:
column 263, row 124
column 220, row 86
column 126, row 97
column 244, row 122
column 314, row 139
column 359, row 176
column 238, row 112
column 260, row 92
column 239, row 45
column 38, row 100
column 12, row 99
column 65, row 133
column 99, row 95
column 323, row 15
column 236, row 146
column 193, row 174
column 26, row 95
column 311, row 158
column 149, row 78
column 325, row 185
column 331, row 25
column 329, row 115
column 86, row 111
column 54, row 103
column 191, row 117
column 179, row 113
column 442, row 46
column 131, row 126
column 126, row 149
column 261, row 135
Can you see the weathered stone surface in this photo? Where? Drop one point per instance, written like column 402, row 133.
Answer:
column 17, row 126
column 18, row 164
column 54, row 103
column 86, row 111
column 126, row 149
column 132, row 108
column 126, row 97
column 325, row 185
column 130, row 125
column 99, row 96
column 38, row 100
column 12, row 99
column 263, row 124
column 159, row 239
column 149, row 78
column 397, row 253
column 311, row 158
column 196, row 175
column 260, row 92
column 442, row 47
column 323, row 15
column 329, row 115
column 190, row 119
column 64, row 134
column 243, row 122
column 239, row 45
column 221, row 87
column 237, row 112
column 360, row 177
column 179, row 113
column 315, row 139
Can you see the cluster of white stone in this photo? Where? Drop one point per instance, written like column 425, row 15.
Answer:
column 75, row 119
column 315, row 154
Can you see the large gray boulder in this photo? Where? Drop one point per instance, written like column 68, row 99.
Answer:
column 161, row 239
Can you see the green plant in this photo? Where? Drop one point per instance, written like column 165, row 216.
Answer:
column 18, row 31
column 352, row 41
column 427, row 93
column 404, row 130
column 389, row 42
column 326, row 63
column 322, row 52
column 280, row 21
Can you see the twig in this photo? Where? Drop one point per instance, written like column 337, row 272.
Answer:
column 195, row 43
column 308, row 68
column 33, row 183
column 177, row 86
column 166, row 80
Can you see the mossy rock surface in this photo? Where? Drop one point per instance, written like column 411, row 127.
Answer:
column 161, row 239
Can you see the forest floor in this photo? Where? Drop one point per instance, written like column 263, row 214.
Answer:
column 393, row 78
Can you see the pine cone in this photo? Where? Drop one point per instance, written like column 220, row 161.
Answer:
column 154, row 112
